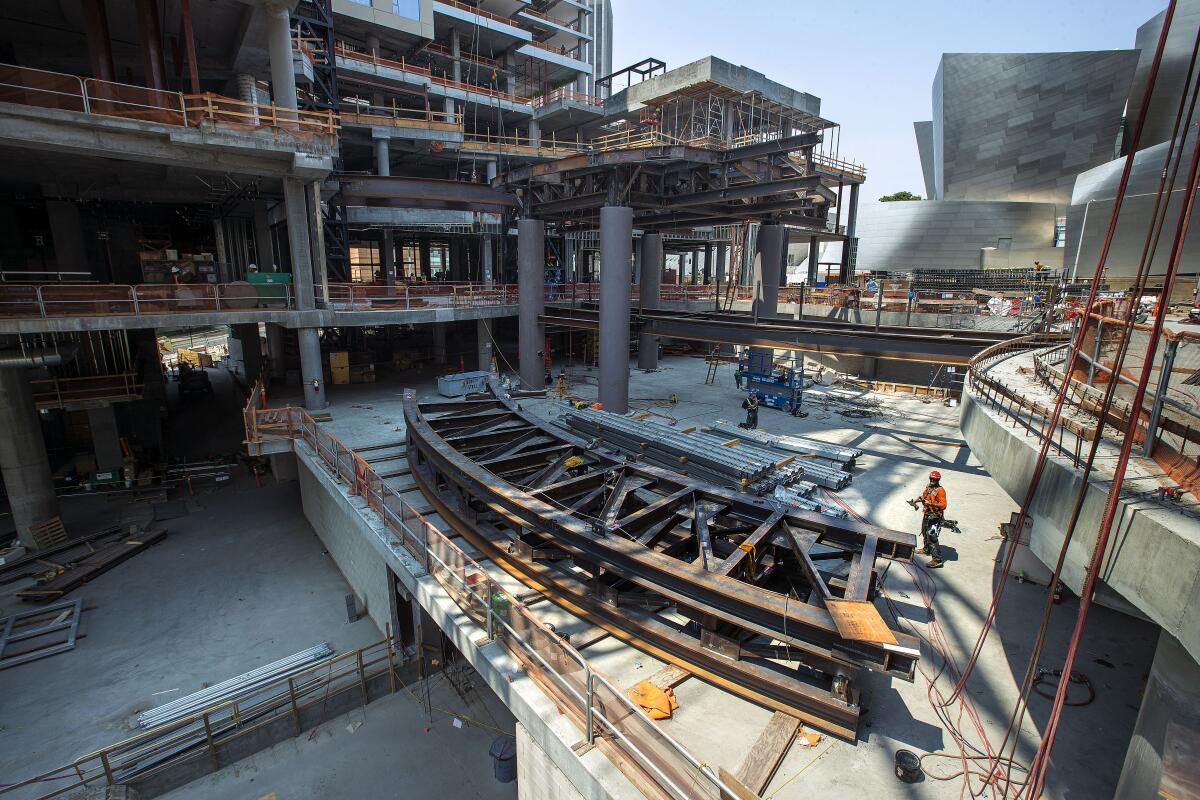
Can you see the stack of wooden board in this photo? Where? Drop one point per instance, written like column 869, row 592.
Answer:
column 85, row 569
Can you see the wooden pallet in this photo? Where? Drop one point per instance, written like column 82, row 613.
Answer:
column 50, row 533
column 84, row 570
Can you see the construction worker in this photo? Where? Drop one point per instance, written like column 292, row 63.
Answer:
column 751, row 406
column 933, row 513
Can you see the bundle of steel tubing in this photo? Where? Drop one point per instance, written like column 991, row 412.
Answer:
column 799, row 494
column 234, row 687
column 841, row 457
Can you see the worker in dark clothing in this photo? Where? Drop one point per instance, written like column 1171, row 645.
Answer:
column 932, row 503
column 751, row 406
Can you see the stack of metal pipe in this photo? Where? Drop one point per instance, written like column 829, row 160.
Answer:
column 800, row 495
column 841, row 457
column 234, row 687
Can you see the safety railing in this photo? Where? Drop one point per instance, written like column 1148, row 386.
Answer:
column 475, row 58
column 55, row 392
column 839, row 167
column 46, row 89
column 344, row 50
column 607, row 717
column 397, row 117
column 406, row 296
column 479, row 12
column 532, row 12
column 207, row 735
column 228, row 112
column 543, row 146
column 567, row 94
column 86, row 300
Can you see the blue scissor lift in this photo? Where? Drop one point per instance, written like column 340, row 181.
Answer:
column 777, row 387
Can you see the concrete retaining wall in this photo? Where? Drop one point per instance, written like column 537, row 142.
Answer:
column 352, row 532
column 1152, row 567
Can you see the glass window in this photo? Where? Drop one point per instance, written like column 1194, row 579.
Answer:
column 1060, row 232
column 407, row 8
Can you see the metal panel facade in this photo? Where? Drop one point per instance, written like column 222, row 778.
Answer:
column 950, row 234
column 1021, row 126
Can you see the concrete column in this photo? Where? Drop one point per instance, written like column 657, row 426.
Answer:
column 373, row 44
column 316, row 232
column 483, row 345
column 814, row 258
column 247, row 334
column 510, row 67
column 1167, row 726
column 707, row 265
column 485, row 247
column 531, row 300
column 106, row 438
column 387, row 258
column 720, row 274
column 150, row 36
column 66, row 231
column 312, row 371
column 423, row 251
column 95, row 24
column 264, row 250
column 766, row 287
column 490, row 169
column 616, row 250
column 276, row 336
column 456, row 53
column 651, row 287
column 439, row 343
column 279, row 42
column 535, row 133
column 851, row 234
column 23, row 461
column 296, row 211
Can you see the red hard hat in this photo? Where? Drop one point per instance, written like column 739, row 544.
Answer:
column 935, row 476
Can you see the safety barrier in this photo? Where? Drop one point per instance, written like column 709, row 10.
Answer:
column 45, row 89
column 304, row 697
column 608, row 718
column 87, row 300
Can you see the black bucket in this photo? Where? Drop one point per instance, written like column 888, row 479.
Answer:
column 908, row 766
column 504, row 759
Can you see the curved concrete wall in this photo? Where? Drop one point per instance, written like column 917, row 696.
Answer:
column 950, row 233
column 1153, row 563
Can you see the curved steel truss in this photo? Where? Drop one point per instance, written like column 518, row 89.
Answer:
column 770, row 603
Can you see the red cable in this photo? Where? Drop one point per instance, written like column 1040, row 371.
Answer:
column 1042, row 760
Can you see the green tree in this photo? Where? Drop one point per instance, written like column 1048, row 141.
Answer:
column 890, row 198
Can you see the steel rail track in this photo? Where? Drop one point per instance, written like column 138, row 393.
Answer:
column 609, row 540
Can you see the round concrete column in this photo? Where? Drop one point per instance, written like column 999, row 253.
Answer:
column 279, row 45
column 312, row 370
column 649, row 291
column 531, row 300
column 767, row 267
column 483, row 345
column 23, row 460
column 616, row 252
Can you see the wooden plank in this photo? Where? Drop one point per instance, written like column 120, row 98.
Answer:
column 88, row 568
column 669, row 677
column 740, row 792
column 859, row 621
column 768, row 752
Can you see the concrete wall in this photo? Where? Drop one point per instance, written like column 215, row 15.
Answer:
column 537, row 776
column 352, row 533
column 951, row 234
column 1020, row 126
column 1161, row 760
column 1153, row 564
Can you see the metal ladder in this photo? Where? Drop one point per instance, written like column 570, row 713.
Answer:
column 714, row 363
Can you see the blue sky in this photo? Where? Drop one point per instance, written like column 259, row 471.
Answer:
column 871, row 62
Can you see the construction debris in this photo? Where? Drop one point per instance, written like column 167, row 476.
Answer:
column 62, row 579
column 657, row 703
column 44, row 632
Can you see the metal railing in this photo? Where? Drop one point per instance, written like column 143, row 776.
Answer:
column 397, row 117
column 88, row 300
column 565, row 93
column 346, row 51
column 205, row 735
column 55, row 392
column 46, row 89
column 607, row 717
column 406, row 296
column 543, row 146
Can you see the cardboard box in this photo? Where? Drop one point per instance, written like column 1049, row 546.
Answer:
column 339, row 358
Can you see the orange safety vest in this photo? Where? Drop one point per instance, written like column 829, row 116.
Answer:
column 934, row 499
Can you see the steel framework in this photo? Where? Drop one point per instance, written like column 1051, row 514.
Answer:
column 766, row 601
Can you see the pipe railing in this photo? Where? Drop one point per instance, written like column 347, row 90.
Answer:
column 606, row 715
column 207, row 733
column 46, row 89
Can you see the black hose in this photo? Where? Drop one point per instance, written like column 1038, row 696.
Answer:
column 1054, row 676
